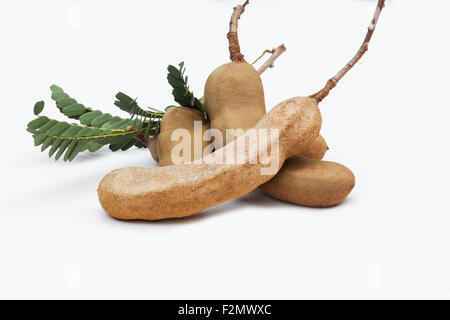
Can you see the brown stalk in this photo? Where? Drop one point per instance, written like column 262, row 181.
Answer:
column 233, row 41
column 319, row 96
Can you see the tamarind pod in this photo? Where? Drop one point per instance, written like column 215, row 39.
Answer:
column 181, row 118
column 317, row 149
column 309, row 182
column 234, row 98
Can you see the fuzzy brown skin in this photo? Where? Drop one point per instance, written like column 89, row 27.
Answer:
column 234, row 98
column 312, row 183
column 185, row 189
column 180, row 118
column 317, row 149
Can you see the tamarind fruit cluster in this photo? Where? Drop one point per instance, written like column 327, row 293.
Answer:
column 184, row 189
column 234, row 99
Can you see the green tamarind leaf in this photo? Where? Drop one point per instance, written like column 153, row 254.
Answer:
column 99, row 121
column 74, row 110
column 38, row 122
column 88, row 117
column 38, row 107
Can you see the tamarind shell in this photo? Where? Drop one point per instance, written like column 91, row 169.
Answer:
column 309, row 182
column 317, row 149
column 234, row 98
column 180, row 118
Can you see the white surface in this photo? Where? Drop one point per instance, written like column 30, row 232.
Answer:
column 388, row 121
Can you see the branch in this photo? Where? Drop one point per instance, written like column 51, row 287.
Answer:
column 233, row 41
column 276, row 52
column 319, row 96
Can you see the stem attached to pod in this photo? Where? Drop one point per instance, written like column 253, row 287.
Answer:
column 233, row 41
column 276, row 52
column 319, row 96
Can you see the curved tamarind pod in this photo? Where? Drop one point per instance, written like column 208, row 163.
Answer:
column 185, row 189
column 312, row 183
column 181, row 118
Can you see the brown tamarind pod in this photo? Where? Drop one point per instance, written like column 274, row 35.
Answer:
column 234, row 94
column 166, row 144
column 234, row 98
column 317, row 149
column 313, row 183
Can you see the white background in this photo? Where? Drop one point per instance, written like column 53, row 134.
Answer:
column 387, row 120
